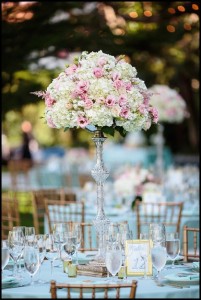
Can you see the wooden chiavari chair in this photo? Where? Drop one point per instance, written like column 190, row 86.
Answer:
column 191, row 235
column 10, row 215
column 19, row 169
column 38, row 201
column 64, row 211
column 92, row 289
column 168, row 213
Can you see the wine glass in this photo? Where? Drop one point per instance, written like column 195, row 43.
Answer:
column 16, row 245
column 157, row 233
column 30, row 235
column 145, row 236
column 51, row 250
column 172, row 246
column 58, row 232
column 113, row 258
column 40, row 240
column 31, row 261
column 22, row 229
column 4, row 254
column 69, row 245
column 159, row 258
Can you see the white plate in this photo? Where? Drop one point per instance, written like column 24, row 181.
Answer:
column 176, row 278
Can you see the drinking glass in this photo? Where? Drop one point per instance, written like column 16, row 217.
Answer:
column 31, row 261
column 112, row 233
column 58, row 231
column 157, row 233
column 40, row 240
column 172, row 246
column 22, row 229
column 113, row 258
column 4, row 254
column 144, row 236
column 69, row 245
column 16, row 245
column 52, row 250
column 30, row 235
column 159, row 258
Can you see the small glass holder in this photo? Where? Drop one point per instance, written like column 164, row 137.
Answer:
column 72, row 269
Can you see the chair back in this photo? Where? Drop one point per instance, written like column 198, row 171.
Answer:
column 191, row 243
column 10, row 216
column 93, row 289
column 168, row 213
column 19, row 172
column 38, row 201
column 64, row 211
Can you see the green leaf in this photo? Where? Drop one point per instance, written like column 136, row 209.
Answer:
column 121, row 130
column 66, row 128
column 108, row 130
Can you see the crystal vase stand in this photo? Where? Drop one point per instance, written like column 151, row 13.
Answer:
column 100, row 174
column 159, row 152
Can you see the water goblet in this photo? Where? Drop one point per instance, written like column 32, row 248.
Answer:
column 15, row 245
column 157, row 233
column 113, row 258
column 58, row 231
column 31, row 261
column 145, row 236
column 69, row 245
column 30, row 236
column 4, row 254
column 52, row 250
column 40, row 240
column 22, row 229
column 159, row 258
column 172, row 246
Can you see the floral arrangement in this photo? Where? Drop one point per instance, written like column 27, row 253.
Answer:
column 171, row 106
column 101, row 91
column 130, row 182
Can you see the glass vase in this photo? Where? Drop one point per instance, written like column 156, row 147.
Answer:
column 100, row 174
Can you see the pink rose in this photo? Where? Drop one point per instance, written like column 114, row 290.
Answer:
column 70, row 70
column 123, row 100
column 110, row 101
column 142, row 109
column 88, row 103
column 128, row 86
column 101, row 100
column 154, row 113
column 49, row 101
column 118, row 84
column 115, row 76
column 82, row 122
column 81, row 89
column 98, row 72
column 124, row 112
column 50, row 122
column 102, row 61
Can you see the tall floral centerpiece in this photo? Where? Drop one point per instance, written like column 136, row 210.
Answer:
column 103, row 94
column 171, row 109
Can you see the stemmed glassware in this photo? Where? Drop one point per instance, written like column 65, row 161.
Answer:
column 31, row 260
column 69, row 245
column 173, row 246
column 4, row 254
column 40, row 240
column 16, row 245
column 159, row 258
column 157, row 233
column 29, row 235
column 22, row 229
column 113, row 258
column 51, row 250
column 58, row 232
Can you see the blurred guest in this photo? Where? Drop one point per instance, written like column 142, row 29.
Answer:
column 29, row 144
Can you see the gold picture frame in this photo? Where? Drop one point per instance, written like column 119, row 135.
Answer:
column 138, row 254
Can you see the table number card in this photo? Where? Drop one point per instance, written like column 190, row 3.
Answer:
column 138, row 257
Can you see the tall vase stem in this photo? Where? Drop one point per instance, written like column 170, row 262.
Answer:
column 100, row 174
column 159, row 149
